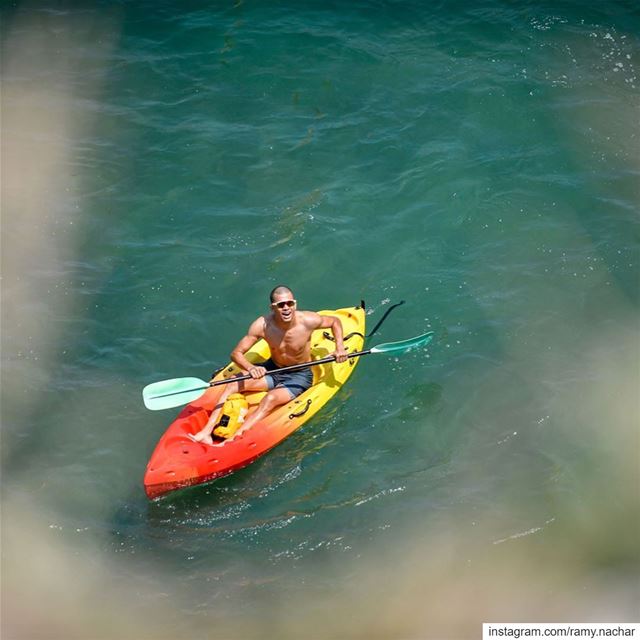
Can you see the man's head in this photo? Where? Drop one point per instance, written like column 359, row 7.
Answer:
column 283, row 303
column 278, row 291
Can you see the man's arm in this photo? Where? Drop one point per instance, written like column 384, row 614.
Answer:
column 256, row 331
column 333, row 323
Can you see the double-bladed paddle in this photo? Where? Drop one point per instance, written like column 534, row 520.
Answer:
column 178, row 391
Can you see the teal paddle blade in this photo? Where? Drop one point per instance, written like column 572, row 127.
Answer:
column 172, row 393
column 404, row 345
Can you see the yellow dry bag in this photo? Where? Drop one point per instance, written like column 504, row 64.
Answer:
column 233, row 414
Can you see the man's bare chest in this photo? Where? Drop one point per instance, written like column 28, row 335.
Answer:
column 292, row 339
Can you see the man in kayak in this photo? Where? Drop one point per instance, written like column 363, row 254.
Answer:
column 287, row 331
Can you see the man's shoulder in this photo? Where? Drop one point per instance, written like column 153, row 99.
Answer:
column 258, row 325
column 310, row 318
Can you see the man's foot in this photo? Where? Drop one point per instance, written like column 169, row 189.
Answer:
column 202, row 436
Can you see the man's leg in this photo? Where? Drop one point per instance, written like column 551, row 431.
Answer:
column 274, row 399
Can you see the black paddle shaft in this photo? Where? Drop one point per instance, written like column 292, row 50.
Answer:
column 247, row 376
column 291, row 367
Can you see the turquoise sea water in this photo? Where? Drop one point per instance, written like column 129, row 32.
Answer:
column 164, row 166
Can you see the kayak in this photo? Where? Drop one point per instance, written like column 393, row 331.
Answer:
column 178, row 461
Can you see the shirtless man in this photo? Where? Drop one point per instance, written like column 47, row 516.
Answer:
column 288, row 334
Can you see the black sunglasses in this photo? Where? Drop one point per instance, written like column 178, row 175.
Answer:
column 284, row 303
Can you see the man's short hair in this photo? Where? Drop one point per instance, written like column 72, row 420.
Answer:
column 279, row 289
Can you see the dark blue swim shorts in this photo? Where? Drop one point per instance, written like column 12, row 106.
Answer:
column 295, row 382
